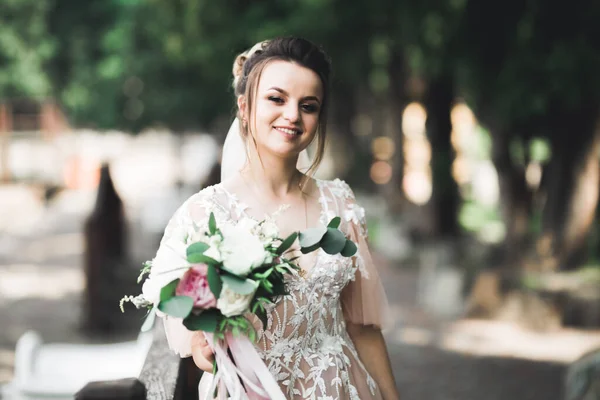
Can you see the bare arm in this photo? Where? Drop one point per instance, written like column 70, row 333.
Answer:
column 370, row 344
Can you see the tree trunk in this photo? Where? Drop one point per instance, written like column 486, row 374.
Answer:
column 445, row 197
column 396, row 104
column 515, row 200
column 572, row 185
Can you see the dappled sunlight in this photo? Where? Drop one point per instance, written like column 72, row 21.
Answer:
column 504, row 339
column 417, row 180
column 501, row 339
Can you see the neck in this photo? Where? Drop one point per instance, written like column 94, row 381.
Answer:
column 275, row 177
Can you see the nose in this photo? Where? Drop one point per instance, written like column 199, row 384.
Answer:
column 292, row 112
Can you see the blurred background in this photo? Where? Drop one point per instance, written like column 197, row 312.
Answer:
column 469, row 130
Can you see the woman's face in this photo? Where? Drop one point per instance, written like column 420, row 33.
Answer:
column 286, row 109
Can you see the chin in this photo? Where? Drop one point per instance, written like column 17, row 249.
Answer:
column 286, row 151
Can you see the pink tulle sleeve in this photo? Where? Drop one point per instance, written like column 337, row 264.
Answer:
column 188, row 214
column 364, row 300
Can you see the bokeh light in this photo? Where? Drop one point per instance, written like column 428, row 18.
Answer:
column 383, row 148
column 381, row 172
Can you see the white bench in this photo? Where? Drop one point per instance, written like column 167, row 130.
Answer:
column 58, row 370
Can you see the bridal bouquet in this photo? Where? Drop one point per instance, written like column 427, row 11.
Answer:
column 229, row 271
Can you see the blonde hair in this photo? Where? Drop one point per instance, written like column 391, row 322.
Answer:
column 249, row 65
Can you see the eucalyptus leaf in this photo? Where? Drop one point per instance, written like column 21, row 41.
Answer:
column 334, row 223
column 239, row 285
column 206, row 321
column 168, row 290
column 311, row 237
column 333, row 242
column 214, row 281
column 212, row 224
column 287, row 243
column 349, row 249
column 149, row 321
column 195, row 251
column 306, row 250
column 177, row 306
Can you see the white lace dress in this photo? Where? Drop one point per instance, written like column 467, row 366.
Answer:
column 305, row 345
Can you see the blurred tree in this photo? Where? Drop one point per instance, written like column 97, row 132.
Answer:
column 528, row 70
column 93, row 41
column 25, row 49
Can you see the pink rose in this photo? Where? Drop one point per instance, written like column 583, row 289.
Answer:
column 194, row 284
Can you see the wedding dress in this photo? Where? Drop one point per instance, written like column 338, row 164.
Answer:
column 305, row 344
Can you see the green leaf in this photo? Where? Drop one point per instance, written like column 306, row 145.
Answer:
column 306, row 250
column 333, row 242
column 168, row 290
column 149, row 321
column 177, row 306
column 279, row 288
column 214, row 281
column 206, row 321
column 287, row 243
column 335, row 223
column 239, row 285
column 262, row 316
column 312, row 236
column 349, row 249
column 195, row 252
column 212, row 224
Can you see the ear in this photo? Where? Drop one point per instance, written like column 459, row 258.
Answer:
column 241, row 103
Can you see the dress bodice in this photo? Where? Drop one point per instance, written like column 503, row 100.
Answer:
column 305, row 343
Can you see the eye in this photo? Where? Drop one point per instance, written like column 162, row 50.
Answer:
column 310, row 108
column 275, row 99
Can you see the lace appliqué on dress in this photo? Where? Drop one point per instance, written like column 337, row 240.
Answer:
column 305, row 344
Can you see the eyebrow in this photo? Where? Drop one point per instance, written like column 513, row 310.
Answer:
column 287, row 94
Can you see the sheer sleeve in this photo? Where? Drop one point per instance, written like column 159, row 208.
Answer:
column 363, row 300
column 190, row 214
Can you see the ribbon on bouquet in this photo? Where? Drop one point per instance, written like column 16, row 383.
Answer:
column 248, row 368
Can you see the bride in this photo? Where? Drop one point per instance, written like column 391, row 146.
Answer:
column 323, row 340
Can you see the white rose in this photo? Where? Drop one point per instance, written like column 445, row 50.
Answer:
column 231, row 303
column 269, row 230
column 247, row 224
column 168, row 265
column 241, row 250
column 214, row 253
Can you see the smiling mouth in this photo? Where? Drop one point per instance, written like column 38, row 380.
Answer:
column 289, row 131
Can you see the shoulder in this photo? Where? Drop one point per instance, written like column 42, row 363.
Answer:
column 343, row 195
column 198, row 206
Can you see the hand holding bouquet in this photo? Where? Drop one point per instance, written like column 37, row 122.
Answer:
column 212, row 279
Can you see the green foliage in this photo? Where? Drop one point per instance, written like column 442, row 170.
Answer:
column 149, row 320
column 287, row 243
column 177, row 306
column 239, row 285
column 195, row 253
column 311, row 237
column 168, row 291
column 26, row 48
column 334, row 223
column 214, row 281
column 333, row 242
column 206, row 321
